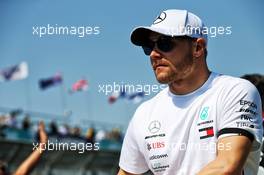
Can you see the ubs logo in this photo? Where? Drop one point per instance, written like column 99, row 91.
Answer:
column 155, row 145
column 154, row 126
column 160, row 18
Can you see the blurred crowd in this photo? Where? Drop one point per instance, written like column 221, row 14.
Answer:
column 55, row 130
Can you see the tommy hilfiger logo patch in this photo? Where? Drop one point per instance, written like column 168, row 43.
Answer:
column 206, row 132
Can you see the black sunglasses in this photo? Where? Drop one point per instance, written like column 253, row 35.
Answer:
column 163, row 43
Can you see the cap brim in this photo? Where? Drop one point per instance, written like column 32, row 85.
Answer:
column 139, row 35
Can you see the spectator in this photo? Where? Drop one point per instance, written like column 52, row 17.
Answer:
column 29, row 163
column 2, row 120
column 11, row 121
column 2, row 126
column 53, row 128
column 3, row 168
column 34, row 157
column 100, row 135
column 253, row 78
column 258, row 81
column 26, row 123
column 76, row 132
column 64, row 130
column 90, row 135
column 115, row 135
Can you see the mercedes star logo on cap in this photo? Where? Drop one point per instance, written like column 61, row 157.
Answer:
column 160, row 18
column 154, row 126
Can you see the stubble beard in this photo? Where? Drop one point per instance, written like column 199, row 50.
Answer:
column 178, row 73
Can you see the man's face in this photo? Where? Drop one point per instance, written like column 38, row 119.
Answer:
column 175, row 65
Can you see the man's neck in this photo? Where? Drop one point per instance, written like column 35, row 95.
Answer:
column 190, row 84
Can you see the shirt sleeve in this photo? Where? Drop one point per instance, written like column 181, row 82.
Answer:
column 241, row 113
column 131, row 159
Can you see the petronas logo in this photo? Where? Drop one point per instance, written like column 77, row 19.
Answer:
column 204, row 113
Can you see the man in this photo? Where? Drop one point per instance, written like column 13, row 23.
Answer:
column 204, row 123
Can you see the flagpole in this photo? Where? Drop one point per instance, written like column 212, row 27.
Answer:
column 63, row 97
column 87, row 99
column 88, row 104
column 25, row 70
column 27, row 94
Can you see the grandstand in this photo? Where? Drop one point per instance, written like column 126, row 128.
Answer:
column 16, row 144
column 101, row 162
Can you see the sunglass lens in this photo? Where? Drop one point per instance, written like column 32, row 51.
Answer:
column 165, row 44
column 147, row 50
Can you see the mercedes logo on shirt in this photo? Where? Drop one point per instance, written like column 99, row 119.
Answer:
column 160, row 18
column 154, row 126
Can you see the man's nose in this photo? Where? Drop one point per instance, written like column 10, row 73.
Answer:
column 155, row 55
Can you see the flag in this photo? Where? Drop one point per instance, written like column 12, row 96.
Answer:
column 136, row 97
column 49, row 82
column 112, row 98
column 16, row 72
column 116, row 95
column 80, row 85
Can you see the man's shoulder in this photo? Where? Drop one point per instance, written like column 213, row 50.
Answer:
column 230, row 82
column 234, row 85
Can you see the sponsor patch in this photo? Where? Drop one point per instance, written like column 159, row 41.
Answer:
column 206, row 132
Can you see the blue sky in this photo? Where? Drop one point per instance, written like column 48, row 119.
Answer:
column 109, row 56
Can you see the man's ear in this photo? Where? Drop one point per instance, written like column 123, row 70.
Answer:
column 199, row 47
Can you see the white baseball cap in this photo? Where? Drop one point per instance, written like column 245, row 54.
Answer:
column 171, row 23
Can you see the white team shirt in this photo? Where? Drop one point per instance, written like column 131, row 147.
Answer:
column 177, row 134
